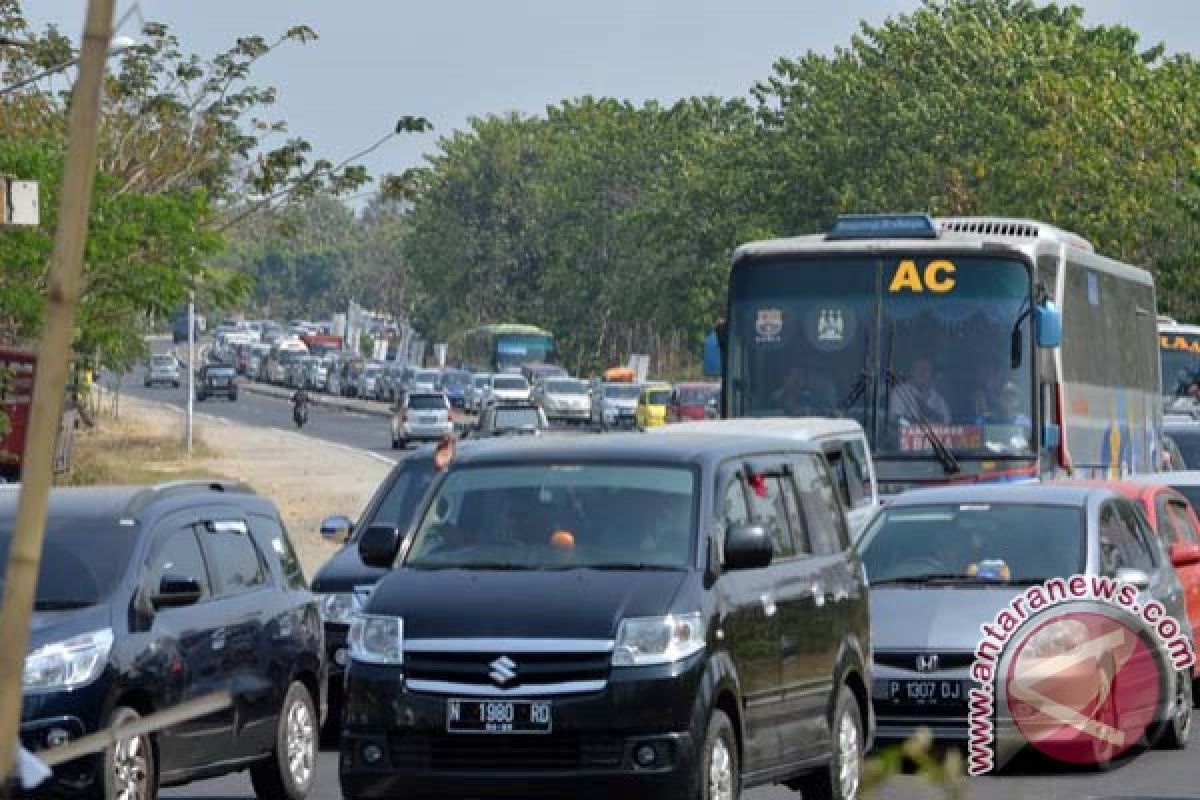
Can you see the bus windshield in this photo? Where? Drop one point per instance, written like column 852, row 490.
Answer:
column 515, row 349
column 917, row 348
column 1180, row 361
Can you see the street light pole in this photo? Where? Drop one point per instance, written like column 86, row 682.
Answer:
column 191, row 390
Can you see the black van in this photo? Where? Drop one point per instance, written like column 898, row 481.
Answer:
column 630, row 616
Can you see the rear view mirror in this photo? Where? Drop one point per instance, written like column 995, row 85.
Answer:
column 748, row 547
column 1048, row 325
column 712, row 355
column 337, row 528
column 175, row 591
column 1134, row 577
column 1185, row 554
column 378, row 546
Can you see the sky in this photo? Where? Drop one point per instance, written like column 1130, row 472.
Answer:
column 448, row 60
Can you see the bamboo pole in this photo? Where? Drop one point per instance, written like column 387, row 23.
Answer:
column 50, row 381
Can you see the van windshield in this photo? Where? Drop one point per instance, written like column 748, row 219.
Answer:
column 559, row 516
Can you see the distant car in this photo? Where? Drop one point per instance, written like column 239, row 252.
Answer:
column 392, row 380
column 511, row 420
column 652, row 405
column 614, row 405
column 368, row 386
column 454, row 383
column 564, row 399
column 163, row 370
column 694, row 401
column 298, row 371
column 534, row 373
column 477, row 391
column 508, row 388
column 216, row 380
column 422, row 380
column 943, row 562
column 148, row 597
column 421, row 416
column 1186, row 436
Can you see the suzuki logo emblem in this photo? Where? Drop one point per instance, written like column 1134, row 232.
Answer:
column 927, row 662
column 504, row 669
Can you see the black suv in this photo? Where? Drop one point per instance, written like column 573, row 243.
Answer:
column 623, row 617
column 148, row 597
column 216, row 379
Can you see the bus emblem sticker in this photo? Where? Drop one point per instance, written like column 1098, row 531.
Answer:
column 768, row 325
column 831, row 326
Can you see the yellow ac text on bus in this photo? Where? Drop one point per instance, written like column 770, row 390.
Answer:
column 937, row 277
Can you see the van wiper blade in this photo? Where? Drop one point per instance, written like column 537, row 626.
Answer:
column 913, row 408
column 631, row 566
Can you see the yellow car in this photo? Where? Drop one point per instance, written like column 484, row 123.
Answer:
column 652, row 405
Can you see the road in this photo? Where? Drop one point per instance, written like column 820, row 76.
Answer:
column 1154, row 774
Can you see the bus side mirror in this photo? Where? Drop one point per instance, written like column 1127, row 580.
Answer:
column 712, row 355
column 1051, row 435
column 1048, row 324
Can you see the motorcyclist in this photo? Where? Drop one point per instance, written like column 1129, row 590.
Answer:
column 300, row 405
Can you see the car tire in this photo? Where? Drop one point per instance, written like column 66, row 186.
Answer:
column 130, row 763
column 1178, row 731
column 841, row 779
column 287, row 774
column 720, row 772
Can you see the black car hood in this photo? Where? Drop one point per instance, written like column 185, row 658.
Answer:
column 344, row 571
column 46, row 627
column 578, row 604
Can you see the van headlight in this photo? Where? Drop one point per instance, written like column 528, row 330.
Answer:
column 646, row 641
column 68, row 664
column 339, row 608
column 377, row 639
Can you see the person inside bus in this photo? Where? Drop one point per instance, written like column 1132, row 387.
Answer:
column 916, row 395
column 805, row 393
column 1007, row 408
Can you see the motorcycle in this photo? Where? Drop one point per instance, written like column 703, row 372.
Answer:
column 300, row 414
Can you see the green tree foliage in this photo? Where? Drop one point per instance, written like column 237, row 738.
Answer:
column 612, row 224
column 187, row 152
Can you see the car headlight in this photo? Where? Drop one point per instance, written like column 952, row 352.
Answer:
column 645, row 641
column 70, row 663
column 376, row 639
column 339, row 608
column 1058, row 638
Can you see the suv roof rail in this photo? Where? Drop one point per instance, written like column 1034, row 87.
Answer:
column 151, row 494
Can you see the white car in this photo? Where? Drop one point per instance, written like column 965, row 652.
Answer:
column 421, row 416
column 508, row 388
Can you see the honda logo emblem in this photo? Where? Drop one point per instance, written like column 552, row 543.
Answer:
column 927, row 662
column 504, row 669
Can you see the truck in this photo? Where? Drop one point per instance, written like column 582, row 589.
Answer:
column 17, row 370
column 320, row 344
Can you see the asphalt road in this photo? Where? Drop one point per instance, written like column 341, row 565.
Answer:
column 1152, row 775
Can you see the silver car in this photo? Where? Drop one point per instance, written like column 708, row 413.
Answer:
column 163, row 370
column 421, row 416
column 477, row 390
column 942, row 563
column 368, row 385
column 564, row 399
column 614, row 405
column 508, row 388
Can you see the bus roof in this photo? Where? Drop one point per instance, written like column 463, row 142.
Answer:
column 500, row 328
column 1178, row 327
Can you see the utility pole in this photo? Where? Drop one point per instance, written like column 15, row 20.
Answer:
column 50, row 381
column 191, row 386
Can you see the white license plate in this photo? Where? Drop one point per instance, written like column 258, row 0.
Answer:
column 498, row 716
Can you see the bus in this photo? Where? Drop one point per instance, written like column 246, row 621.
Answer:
column 1179, row 349
column 969, row 349
column 506, row 347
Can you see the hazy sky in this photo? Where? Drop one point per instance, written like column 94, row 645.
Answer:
column 451, row 59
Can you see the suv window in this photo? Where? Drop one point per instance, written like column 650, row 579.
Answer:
column 1177, row 510
column 179, row 555
column 1141, row 554
column 1168, row 526
column 237, row 560
column 826, row 522
column 272, row 530
column 768, row 508
column 403, row 497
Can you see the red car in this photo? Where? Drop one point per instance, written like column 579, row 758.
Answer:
column 693, row 401
column 1175, row 521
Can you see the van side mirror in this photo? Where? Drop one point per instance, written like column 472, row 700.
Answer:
column 176, row 591
column 337, row 528
column 1185, row 554
column 1051, row 435
column 1048, row 325
column 712, row 355
column 748, row 547
column 378, row 546
column 1134, row 577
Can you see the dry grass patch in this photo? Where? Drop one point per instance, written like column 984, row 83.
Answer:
column 120, row 452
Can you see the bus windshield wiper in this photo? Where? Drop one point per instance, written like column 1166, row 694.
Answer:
column 946, row 577
column 913, row 408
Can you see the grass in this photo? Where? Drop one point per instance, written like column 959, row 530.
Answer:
column 116, row 452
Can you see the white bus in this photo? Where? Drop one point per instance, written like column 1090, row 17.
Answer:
column 969, row 349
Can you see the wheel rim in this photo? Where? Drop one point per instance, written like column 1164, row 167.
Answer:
column 131, row 768
column 300, row 738
column 720, row 771
column 848, row 757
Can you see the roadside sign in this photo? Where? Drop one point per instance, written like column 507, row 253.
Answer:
column 18, row 203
